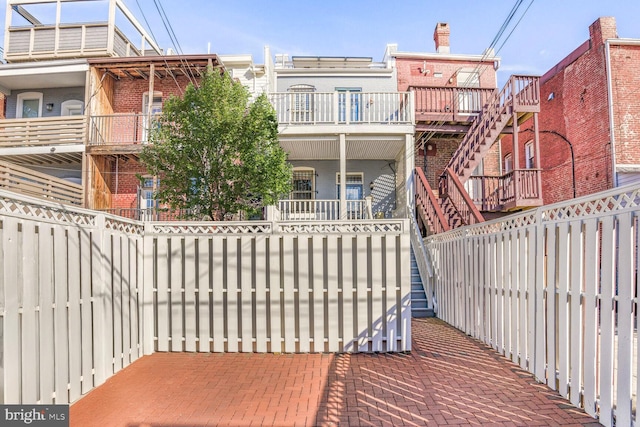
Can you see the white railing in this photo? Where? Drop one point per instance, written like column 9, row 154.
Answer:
column 111, row 289
column 555, row 290
column 423, row 260
column 343, row 107
column 323, row 209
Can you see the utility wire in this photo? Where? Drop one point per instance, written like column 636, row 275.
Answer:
column 480, row 68
column 174, row 40
column 144, row 16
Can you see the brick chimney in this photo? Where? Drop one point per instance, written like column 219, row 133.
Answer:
column 441, row 37
column 602, row 29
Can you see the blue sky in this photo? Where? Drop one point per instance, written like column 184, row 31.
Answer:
column 548, row 31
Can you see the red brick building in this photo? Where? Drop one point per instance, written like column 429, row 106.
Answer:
column 450, row 90
column 119, row 111
column 589, row 119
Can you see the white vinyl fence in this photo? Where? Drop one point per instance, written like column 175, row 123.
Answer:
column 554, row 289
column 83, row 294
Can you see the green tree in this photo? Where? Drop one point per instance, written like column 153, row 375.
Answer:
column 215, row 152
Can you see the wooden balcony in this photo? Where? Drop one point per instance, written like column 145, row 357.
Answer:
column 455, row 106
column 35, row 184
column 98, row 38
column 516, row 102
column 515, row 190
column 343, row 108
column 67, row 41
column 118, row 133
column 68, row 130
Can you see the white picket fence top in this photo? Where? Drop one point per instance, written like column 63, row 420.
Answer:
column 554, row 289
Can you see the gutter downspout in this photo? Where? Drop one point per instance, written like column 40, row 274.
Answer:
column 607, row 54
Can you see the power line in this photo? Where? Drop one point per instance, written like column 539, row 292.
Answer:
column 174, row 40
column 489, row 51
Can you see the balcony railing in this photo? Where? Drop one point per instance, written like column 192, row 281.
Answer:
column 329, row 210
column 42, row 131
column 449, row 103
column 516, row 189
column 35, row 184
column 343, row 107
column 118, row 129
column 68, row 40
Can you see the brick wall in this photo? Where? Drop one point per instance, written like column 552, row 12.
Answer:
column 434, row 160
column 574, row 107
column 124, row 185
column 625, row 82
column 127, row 93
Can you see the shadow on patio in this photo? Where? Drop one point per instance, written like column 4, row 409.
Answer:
column 448, row 378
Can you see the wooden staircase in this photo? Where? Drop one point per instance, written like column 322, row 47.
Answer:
column 454, row 207
column 514, row 104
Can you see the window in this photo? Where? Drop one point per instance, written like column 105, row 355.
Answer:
column 354, row 96
column 73, row 107
column 147, row 199
column 303, row 187
column 508, row 163
column 529, row 155
column 468, row 100
column 302, row 103
column 156, row 103
column 156, row 108
column 29, row 105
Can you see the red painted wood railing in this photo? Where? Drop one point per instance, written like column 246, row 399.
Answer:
column 521, row 93
column 451, row 187
column 427, row 204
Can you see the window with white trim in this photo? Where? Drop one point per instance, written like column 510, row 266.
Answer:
column 354, row 184
column 508, row 163
column 72, row 107
column 29, row 105
column 303, row 185
column 529, row 155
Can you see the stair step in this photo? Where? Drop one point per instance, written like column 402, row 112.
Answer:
column 422, row 312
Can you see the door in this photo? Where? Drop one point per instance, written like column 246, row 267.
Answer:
column 354, row 195
column 349, row 100
column 154, row 109
column 29, row 105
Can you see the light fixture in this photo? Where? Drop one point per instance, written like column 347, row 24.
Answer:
column 371, row 185
column 551, row 96
column 49, row 106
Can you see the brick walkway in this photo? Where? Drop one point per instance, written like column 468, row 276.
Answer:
column 448, row 379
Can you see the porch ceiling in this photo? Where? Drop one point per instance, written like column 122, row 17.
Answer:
column 357, row 148
column 59, row 159
column 42, row 75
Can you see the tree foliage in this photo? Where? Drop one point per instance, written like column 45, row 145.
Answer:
column 215, row 152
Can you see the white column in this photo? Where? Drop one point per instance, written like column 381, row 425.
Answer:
column 343, row 177
column 409, row 150
column 111, row 26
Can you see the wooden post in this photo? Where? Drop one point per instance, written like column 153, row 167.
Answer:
column 343, row 177
column 536, row 145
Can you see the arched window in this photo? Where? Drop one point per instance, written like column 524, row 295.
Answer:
column 72, row 107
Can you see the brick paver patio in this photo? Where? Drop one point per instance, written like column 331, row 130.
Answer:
column 448, row 379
